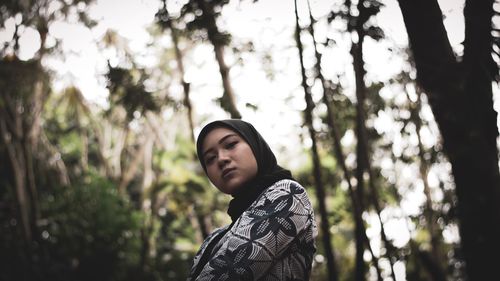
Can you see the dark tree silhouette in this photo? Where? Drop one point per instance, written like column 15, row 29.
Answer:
column 205, row 20
column 333, row 271
column 460, row 95
column 360, row 230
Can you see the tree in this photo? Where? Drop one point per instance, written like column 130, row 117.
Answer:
column 205, row 14
column 26, row 88
column 17, row 134
column 460, row 95
column 166, row 22
column 332, row 268
column 359, row 24
column 329, row 88
column 357, row 18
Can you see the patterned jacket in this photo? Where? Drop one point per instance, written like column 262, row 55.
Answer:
column 272, row 240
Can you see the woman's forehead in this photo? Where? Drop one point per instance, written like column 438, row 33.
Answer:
column 219, row 131
column 216, row 135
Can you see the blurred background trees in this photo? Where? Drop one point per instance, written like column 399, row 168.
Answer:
column 400, row 161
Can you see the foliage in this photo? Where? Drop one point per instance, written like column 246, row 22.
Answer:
column 39, row 15
column 99, row 227
column 205, row 14
column 127, row 89
column 88, row 232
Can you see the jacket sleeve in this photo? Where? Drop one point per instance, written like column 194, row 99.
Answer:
column 203, row 247
column 262, row 235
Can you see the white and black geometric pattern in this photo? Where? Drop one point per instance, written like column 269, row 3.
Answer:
column 272, row 240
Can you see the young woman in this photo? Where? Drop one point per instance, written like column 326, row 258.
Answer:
column 272, row 233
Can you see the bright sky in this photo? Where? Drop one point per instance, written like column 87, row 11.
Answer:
column 268, row 24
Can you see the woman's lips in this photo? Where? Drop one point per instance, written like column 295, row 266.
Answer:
column 226, row 172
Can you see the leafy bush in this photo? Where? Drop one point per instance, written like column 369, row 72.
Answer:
column 87, row 232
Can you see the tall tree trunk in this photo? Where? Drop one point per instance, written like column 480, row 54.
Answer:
column 117, row 141
column 101, row 134
column 362, row 147
column 185, row 84
column 21, row 103
column 360, row 229
column 157, row 130
column 333, row 274
column 205, row 231
column 137, row 157
column 113, row 140
column 84, row 155
column 166, row 21
column 84, row 158
column 148, row 173
column 227, row 101
column 356, row 51
column 198, row 220
column 22, row 96
column 363, row 161
column 17, row 164
column 48, row 151
column 460, row 95
column 149, row 209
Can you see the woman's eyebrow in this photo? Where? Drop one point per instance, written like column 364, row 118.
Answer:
column 219, row 142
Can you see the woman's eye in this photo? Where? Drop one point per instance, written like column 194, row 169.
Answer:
column 231, row 144
column 209, row 160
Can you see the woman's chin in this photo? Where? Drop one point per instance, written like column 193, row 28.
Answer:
column 231, row 188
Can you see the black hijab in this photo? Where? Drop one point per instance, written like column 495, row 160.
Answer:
column 268, row 170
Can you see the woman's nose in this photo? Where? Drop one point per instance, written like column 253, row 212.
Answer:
column 223, row 158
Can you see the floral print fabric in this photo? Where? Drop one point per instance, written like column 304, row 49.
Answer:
column 272, row 240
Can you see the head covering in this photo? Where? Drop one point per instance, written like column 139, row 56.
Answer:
column 268, row 170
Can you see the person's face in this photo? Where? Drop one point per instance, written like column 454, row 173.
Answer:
column 229, row 160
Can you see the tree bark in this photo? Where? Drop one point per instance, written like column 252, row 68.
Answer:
column 21, row 102
column 19, row 181
column 362, row 147
column 356, row 52
column 333, row 273
column 185, row 84
column 198, row 219
column 148, row 173
column 137, row 157
column 460, row 95
column 360, row 229
column 227, row 101
column 50, row 152
column 201, row 219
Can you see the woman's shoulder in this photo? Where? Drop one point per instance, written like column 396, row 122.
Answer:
column 288, row 182
column 288, row 186
column 217, row 231
column 286, row 189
